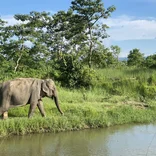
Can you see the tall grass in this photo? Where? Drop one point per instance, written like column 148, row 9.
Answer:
column 130, row 82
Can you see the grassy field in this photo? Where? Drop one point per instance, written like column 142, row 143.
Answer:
column 118, row 97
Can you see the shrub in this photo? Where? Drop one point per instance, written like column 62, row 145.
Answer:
column 148, row 91
column 72, row 73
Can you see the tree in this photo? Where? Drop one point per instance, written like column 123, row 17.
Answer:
column 99, row 59
column 57, row 34
column 25, row 46
column 151, row 61
column 3, row 35
column 135, row 58
column 88, row 14
column 72, row 73
column 41, row 40
column 116, row 51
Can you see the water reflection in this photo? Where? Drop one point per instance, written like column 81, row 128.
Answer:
column 114, row 141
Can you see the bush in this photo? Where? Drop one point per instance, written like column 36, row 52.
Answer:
column 151, row 61
column 148, row 91
column 71, row 72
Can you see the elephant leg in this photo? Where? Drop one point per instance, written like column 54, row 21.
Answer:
column 31, row 110
column 5, row 115
column 4, row 112
column 41, row 108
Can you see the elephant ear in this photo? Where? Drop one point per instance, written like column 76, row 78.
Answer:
column 45, row 88
column 48, row 86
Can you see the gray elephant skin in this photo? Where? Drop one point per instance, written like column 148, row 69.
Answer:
column 22, row 91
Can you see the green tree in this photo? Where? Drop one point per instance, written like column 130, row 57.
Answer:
column 57, row 34
column 135, row 58
column 5, row 34
column 99, row 59
column 72, row 74
column 26, row 45
column 151, row 61
column 116, row 51
column 89, row 16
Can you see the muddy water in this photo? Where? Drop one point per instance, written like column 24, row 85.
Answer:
column 125, row 140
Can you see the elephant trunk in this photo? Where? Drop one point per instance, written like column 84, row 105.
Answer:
column 57, row 105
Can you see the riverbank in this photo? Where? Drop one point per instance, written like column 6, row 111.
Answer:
column 111, row 111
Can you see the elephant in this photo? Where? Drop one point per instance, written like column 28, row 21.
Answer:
column 23, row 91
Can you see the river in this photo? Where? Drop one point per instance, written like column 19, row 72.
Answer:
column 124, row 140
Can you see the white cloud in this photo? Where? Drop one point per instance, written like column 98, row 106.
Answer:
column 10, row 19
column 131, row 28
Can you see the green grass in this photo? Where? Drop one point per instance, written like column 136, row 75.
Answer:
column 77, row 116
column 116, row 98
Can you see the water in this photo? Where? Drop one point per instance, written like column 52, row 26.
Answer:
column 125, row 140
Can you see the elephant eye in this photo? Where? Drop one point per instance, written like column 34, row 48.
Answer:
column 51, row 87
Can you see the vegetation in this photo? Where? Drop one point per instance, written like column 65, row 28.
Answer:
column 96, row 89
column 135, row 58
column 118, row 97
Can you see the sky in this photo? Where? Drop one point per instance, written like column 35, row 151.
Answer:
column 132, row 25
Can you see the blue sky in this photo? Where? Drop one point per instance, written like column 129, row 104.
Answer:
column 132, row 25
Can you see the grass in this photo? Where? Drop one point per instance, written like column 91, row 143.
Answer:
column 87, row 114
column 77, row 116
column 116, row 99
